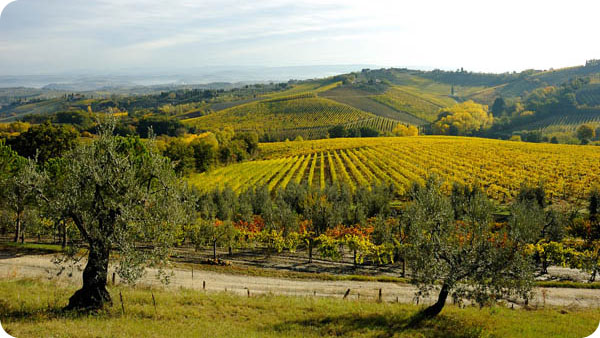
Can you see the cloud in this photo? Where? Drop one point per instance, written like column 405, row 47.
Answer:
column 108, row 35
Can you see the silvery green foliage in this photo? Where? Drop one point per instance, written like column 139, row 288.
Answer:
column 121, row 194
column 468, row 258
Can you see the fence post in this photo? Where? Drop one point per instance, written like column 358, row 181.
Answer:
column 122, row 306
column 380, row 296
column 154, row 303
column 347, row 293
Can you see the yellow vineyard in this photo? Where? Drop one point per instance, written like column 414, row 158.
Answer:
column 498, row 166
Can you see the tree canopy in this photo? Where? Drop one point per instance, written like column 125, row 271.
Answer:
column 119, row 192
column 455, row 241
column 464, row 119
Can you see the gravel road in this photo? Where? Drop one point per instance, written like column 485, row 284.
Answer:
column 42, row 266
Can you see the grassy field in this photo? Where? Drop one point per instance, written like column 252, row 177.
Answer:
column 32, row 308
column 498, row 166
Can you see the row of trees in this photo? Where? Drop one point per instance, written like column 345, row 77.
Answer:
column 342, row 131
column 120, row 195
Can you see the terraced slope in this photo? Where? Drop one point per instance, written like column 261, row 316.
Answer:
column 407, row 99
column 499, row 166
column 366, row 101
column 283, row 113
column 565, row 123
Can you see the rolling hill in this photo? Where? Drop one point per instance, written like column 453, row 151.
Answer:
column 368, row 102
column 301, row 114
column 375, row 98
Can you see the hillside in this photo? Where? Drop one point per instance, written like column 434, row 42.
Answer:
column 499, row 166
column 374, row 98
column 367, row 101
column 304, row 113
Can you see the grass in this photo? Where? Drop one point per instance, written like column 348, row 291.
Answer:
column 29, row 248
column 32, row 308
column 568, row 285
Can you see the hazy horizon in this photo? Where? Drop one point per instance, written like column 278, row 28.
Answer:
column 117, row 36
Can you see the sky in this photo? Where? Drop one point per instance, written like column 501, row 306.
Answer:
column 95, row 36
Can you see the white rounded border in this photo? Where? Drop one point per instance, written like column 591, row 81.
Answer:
column 596, row 334
column 3, row 333
column 3, row 4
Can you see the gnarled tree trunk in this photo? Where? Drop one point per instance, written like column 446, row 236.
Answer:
column 436, row 308
column 93, row 294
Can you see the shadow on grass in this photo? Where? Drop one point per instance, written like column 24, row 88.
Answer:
column 382, row 325
column 13, row 250
column 51, row 312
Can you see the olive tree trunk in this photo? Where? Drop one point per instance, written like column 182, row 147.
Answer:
column 436, row 308
column 18, row 227
column 93, row 294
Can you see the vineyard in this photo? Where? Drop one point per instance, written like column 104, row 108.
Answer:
column 499, row 166
column 379, row 123
column 365, row 101
column 311, row 87
column 281, row 113
column 423, row 105
column 589, row 96
column 566, row 122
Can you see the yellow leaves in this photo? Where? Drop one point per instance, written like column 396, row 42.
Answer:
column 402, row 130
column 463, row 119
column 527, row 113
column 499, row 166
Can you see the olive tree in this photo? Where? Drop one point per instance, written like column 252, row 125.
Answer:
column 469, row 257
column 19, row 183
column 121, row 195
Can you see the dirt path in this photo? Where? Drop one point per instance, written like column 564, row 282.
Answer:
column 42, row 266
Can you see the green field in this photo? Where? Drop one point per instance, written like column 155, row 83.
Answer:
column 32, row 308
